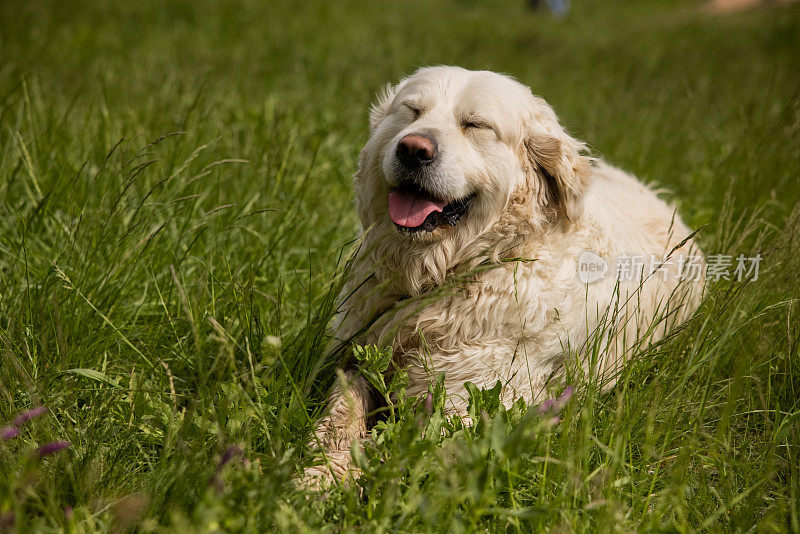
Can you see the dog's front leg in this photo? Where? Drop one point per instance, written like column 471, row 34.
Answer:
column 344, row 424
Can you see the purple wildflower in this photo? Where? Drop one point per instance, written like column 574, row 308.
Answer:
column 233, row 451
column 546, row 405
column 52, row 448
column 27, row 415
column 429, row 403
column 557, row 404
column 8, row 432
column 69, row 513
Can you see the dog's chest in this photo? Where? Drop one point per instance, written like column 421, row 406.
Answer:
column 488, row 318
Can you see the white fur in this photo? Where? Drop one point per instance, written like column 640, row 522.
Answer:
column 540, row 203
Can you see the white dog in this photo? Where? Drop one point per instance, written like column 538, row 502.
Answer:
column 468, row 177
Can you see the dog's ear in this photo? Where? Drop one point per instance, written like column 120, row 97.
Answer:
column 559, row 161
column 380, row 108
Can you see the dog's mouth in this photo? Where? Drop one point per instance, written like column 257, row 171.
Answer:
column 413, row 209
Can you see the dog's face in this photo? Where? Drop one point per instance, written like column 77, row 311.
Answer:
column 450, row 150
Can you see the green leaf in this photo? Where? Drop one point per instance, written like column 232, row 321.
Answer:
column 93, row 375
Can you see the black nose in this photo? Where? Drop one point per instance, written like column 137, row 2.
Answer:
column 415, row 150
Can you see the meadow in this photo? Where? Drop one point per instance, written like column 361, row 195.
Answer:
column 176, row 209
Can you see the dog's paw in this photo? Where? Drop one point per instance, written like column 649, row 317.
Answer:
column 336, row 470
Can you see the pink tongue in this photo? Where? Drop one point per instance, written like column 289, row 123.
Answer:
column 410, row 208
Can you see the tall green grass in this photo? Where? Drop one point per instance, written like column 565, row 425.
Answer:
column 175, row 206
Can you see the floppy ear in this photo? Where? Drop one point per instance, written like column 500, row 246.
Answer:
column 380, row 108
column 557, row 159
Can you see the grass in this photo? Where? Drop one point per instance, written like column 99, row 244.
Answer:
column 175, row 204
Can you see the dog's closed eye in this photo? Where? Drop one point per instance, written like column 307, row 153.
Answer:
column 476, row 125
column 415, row 109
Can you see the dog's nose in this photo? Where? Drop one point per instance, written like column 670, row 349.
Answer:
column 415, row 150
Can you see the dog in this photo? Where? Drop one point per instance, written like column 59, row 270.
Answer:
column 493, row 248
